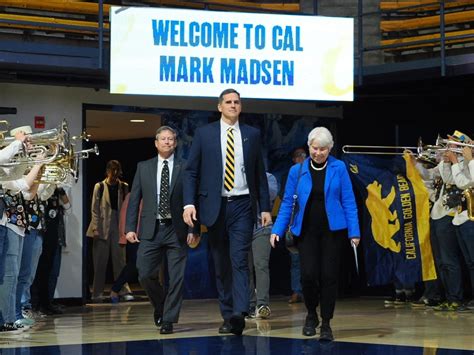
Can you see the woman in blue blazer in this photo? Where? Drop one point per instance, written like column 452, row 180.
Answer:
column 326, row 209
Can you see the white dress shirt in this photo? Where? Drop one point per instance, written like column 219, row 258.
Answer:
column 240, row 181
column 170, row 161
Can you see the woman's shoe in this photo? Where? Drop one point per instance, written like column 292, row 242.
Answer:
column 128, row 297
column 295, row 298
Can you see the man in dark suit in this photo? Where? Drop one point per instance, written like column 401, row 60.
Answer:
column 225, row 180
column 158, row 182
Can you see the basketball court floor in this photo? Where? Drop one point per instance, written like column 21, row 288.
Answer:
column 360, row 326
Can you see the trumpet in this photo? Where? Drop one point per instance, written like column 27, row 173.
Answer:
column 82, row 154
column 60, row 170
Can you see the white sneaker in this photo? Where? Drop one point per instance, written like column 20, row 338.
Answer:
column 27, row 323
column 30, row 314
column 252, row 314
column 128, row 297
column 263, row 312
column 10, row 328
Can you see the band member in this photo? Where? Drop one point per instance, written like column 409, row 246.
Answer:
column 444, row 243
column 13, row 225
column 463, row 173
column 14, row 147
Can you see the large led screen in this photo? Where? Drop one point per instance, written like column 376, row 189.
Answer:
column 178, row 52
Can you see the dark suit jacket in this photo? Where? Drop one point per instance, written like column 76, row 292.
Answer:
column 145, row 187
column 203, row 172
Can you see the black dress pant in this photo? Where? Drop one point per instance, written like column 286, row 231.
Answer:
column 149, row 259
column 320, row 252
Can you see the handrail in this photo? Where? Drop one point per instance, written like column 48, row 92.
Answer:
column 87, row 8
column 428, row 21
column 429, row 40
column 45, row 23
column 277, row 7
column 442, row 37
column 101, row 28
column 428, row 5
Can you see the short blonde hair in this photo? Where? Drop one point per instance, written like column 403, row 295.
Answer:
column 322, row 136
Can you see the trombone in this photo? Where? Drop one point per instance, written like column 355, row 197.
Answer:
column 376, row 149
column 446, row 142
column 426, row 153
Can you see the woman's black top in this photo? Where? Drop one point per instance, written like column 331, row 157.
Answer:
column 113, row 193
column 315, row 218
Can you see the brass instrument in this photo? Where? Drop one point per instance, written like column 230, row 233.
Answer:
column 5, row 129
column 469, row 196
column 425, row 153
column 448, row 143
column 83, row 136
column 444, row 141
column 46, row 147
column 54, row 149
column 376, row 149
column 61, row 170
column 82, row 154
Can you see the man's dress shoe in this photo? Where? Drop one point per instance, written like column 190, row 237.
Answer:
column 238, row 324
column 225, row 328
column 166, row 328
column 310, row 325
column 326, row 333
column 158, row 320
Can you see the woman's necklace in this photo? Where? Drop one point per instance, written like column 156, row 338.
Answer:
column 316, row 168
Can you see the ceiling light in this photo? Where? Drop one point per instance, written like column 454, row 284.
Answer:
column 137, row 121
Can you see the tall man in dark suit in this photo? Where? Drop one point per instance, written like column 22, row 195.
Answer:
column 225, row 180
column 158, row 182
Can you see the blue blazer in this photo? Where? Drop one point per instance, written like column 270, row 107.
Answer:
column 204, row 170
column 341, row 208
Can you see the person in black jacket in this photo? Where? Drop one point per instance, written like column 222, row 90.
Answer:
column 158, row 183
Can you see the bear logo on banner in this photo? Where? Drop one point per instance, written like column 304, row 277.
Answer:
column 385, row 223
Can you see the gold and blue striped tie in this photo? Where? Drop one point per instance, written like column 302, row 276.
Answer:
column 229, row 171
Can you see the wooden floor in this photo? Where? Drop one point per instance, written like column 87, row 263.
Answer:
column 356, row 321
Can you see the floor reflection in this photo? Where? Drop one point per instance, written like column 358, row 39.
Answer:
column 228, row 345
